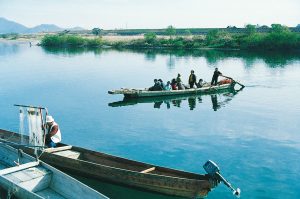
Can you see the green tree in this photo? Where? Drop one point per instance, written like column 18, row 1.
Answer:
column 171, row 31
column 96, row 31
column 212, row 36
column 278, row 28
column 250, row 29
column 187, row 32
column 150, row 37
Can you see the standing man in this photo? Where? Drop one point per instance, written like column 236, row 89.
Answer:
column 192, row 79
column 53, row 135
column 216, row 74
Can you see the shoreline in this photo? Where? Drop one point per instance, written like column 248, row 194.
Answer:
column 129, row 42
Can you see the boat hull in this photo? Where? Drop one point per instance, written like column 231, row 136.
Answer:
column 137, row 93
column 126, row 172
column 36, row 179
column 160, row 184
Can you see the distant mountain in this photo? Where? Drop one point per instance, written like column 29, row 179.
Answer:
column 77, row 28
column 44, row 28
column 7, row 26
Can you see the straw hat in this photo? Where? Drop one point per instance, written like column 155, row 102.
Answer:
column 49, row 119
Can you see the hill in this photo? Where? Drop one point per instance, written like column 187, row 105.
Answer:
column 7, row 26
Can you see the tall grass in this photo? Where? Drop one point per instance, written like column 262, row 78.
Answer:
column 69, row 41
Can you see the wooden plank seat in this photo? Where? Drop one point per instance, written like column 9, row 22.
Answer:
column 148, row 170
column 68, row 154
column 62, row 148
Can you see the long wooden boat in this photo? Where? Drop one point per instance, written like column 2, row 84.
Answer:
column 169, row 98
column 23, row 176
column 136, row 93
column 123, row 171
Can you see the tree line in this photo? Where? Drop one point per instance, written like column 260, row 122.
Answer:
column 278, row 37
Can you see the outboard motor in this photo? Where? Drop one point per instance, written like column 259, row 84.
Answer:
column 213, row 170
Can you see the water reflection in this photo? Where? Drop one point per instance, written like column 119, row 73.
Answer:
column 271, row 58
column 117, row 191
column 218, row 100
column 71, row 51
column 8, row 49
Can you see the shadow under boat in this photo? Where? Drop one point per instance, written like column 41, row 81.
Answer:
column 177, row 99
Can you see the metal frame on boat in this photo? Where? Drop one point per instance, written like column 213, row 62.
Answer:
column 23, row 176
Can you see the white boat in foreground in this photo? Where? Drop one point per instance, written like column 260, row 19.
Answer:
column 22, row 176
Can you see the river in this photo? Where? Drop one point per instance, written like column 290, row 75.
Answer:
column 253, row 135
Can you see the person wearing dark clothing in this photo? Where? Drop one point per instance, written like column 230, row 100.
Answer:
column 156, row 86
column 200, row 83
column 192, row 79
column 161, row 85
column 215, row 77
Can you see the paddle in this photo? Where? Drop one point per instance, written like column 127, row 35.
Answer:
column 234, row 81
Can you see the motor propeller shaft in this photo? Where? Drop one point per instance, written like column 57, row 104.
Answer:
column 214, row 171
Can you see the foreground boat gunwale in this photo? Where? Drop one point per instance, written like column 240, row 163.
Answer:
column 138, row 162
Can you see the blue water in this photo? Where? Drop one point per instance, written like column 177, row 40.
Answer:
column 252, row 135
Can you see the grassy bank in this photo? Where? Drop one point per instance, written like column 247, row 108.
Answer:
column 70, row 41
column 276, row 40
column 279, row 38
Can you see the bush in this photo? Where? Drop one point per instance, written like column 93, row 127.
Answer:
column 150, row 37
column 69, row 41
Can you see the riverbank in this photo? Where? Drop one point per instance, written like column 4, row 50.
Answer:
column 280, row 39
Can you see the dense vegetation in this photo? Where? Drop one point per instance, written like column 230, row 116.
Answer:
column 11, row 36
column 69, row 41
column 278, row 38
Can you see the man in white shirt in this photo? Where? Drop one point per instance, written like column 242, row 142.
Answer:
column 53, row 135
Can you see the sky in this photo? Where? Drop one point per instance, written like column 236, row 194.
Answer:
column 121, row 14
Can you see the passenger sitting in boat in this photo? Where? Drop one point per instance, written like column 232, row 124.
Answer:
column 53, row 135
column 168, row 86
column 178, row 79
column 174, row 84
column 156, row 86
column 225, row 81
column 200, row 83
column 162, row 84
column 181, row 86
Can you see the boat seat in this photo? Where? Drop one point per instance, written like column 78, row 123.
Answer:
column 148, row 170
column 62, row 148
column 33, row 179
column 68, row 153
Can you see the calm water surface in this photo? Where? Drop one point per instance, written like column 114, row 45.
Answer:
column 254, row 135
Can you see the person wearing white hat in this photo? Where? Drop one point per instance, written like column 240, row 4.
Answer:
column 53, row 135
